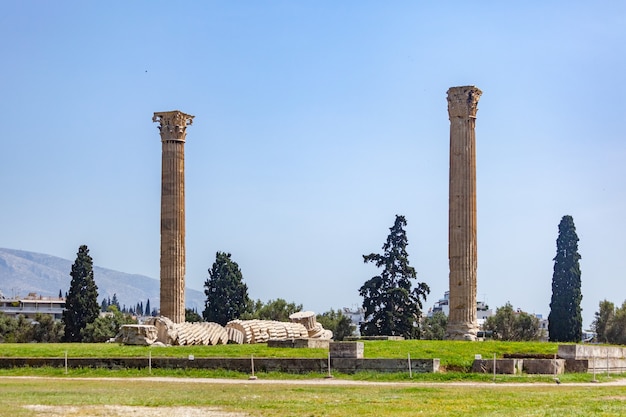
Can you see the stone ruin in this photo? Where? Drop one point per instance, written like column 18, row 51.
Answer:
column 163, row 331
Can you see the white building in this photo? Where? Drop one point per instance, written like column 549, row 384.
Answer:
column 356, row 315
column 443, row 304
column 32, row 304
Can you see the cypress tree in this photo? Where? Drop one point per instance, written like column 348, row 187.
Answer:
column 104, row 305
column 81, row 304
column 565, row 321
column 226, row 293
column 115, row 302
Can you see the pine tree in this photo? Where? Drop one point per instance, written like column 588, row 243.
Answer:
column 104, row 305
column 115, row 302
column 81, row 304
column 391, row 307
column 227, row 294
column 565, row 318
column 147, row 309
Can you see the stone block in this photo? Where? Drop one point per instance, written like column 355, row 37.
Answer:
column 137, row 334
column 503, row 366
column 299, row 343
column 352, row 350
column 591, row 351
column 544, row 366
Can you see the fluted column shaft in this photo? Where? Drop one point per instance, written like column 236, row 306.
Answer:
column 173, row 132
column 462, row 236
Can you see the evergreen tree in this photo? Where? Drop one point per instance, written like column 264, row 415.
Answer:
column 104, row 305
column 565, row 323
column 81, row 304
column 227, row 294
column 391, row 307
column 147, row 309
column 602, row 320
column 192, row 316
column 115, row 302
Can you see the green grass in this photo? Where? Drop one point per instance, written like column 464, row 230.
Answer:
column 423, row 394
column 453, row 355
column 269, row 400
column 367, row 376
column 456, row 359
column 99, row 350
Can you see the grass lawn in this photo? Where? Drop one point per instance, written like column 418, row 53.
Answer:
column 453, row 355
column 456, row 358
column 88, row 392
column 80, row 397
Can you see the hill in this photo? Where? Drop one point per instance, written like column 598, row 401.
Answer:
column 22, row 272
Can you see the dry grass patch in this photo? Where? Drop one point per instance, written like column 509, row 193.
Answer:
column 127, row 411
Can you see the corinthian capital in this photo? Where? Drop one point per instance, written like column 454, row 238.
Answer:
column 463, row 101
column 173, row 124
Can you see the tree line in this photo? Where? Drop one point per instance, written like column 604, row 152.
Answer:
column 392, row 305
column 610, row 323
column 138, row 310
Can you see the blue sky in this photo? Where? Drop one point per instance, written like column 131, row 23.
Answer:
column 316, row 123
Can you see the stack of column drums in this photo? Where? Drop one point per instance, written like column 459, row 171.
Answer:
column 314, row 329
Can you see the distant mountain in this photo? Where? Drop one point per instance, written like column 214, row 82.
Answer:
column 22, row 272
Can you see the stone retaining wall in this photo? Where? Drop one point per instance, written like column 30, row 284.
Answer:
column 288, row 365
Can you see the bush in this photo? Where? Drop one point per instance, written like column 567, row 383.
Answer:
column 106, row 326
column 510, row 325
column 22, row 330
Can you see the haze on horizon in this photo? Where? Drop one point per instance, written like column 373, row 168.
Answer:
column 316, row 123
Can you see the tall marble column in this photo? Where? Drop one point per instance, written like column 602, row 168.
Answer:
column 462, row 242
column 172, row 127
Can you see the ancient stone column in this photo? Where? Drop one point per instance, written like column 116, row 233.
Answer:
column 173, row 126
column 462, row 242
